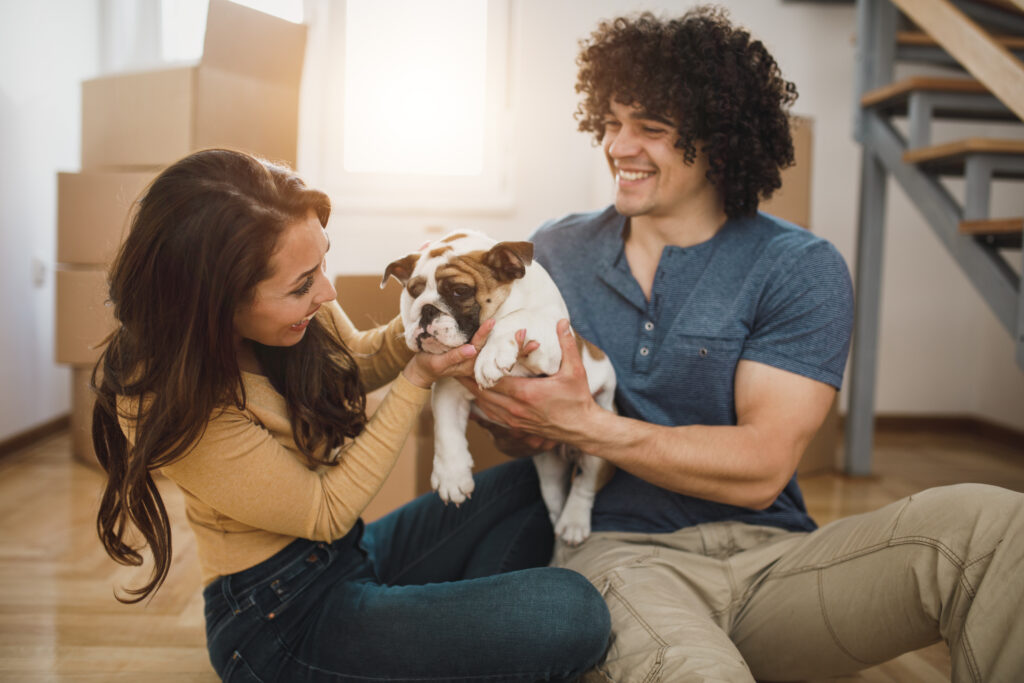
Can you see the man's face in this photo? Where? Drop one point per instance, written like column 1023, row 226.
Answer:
column 652, row 177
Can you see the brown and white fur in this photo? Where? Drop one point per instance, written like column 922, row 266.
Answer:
column 453, row 284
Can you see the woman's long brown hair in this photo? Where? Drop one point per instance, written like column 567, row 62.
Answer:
column 201, row 237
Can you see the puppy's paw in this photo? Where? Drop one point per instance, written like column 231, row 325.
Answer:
column 573, row 525
column 453, row 484
column 542, row 361
column 495, row 361
column 572, row 531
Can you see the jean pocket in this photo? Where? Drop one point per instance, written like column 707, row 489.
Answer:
column 282, row 588
column 239, row 671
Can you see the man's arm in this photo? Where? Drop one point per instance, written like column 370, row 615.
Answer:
column 778, row 412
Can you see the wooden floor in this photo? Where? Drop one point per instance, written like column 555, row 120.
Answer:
column 60, row 622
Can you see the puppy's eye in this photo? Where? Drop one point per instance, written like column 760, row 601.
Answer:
column 462, row 291
column 416, row 288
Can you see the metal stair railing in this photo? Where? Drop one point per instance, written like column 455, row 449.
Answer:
column 883, row 148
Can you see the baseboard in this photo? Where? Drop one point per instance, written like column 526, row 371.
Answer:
column 965, row 425
column 34, row 435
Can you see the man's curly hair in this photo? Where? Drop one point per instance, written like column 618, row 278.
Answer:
column 722, row 89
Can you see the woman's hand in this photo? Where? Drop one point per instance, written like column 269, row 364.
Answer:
column 426, row 368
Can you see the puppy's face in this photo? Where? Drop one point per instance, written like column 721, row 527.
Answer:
column 453, row 284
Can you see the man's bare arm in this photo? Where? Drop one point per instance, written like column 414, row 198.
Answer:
column 778, row 412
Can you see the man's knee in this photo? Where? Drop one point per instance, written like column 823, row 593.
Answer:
column 965, row 519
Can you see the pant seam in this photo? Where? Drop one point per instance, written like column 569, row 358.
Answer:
column 828, row 622
column 958, row 563
column 423, row 556
column 972, row 664
column 891, row 543
column 508, row 549
column 659, row 659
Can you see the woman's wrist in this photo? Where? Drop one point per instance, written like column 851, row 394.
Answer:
column 416, row 376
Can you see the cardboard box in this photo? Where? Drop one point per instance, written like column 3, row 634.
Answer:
column 243, row 94
column 792, row 201
column 83, row 318
column 93, row 212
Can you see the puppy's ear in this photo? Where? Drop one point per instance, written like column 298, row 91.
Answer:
column 401, row 269
column 508, row 260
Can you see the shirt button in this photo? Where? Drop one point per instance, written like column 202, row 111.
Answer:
column 648, row 326
column 644, row 351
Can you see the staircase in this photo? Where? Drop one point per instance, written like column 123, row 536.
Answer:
column 979, row 47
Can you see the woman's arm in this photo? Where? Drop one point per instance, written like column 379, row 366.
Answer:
column 380, row 353
column 240, row 469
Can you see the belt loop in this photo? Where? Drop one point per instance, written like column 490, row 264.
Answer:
column 229, row 597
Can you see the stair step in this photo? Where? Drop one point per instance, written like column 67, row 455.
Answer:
column 897, row 94
column 993, row 226
column 950, row 158
column 921, row 39
column 998, row 232
column 1007, row 5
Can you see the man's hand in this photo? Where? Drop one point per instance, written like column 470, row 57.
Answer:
column 554, row 409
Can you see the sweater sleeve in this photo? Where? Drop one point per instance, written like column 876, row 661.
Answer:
column 380, row 352
column 239, row 469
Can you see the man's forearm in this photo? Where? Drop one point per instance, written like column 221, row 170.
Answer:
column 738, row 465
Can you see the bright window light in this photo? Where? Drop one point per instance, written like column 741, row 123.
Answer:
column 183, row 24
column 415, row 76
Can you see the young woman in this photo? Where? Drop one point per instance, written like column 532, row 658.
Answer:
column 234, row 373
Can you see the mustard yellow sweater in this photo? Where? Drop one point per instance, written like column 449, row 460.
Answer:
column 248, row 492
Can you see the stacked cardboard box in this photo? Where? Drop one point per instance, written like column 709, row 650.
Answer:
column 368, row 305
column 242, row 94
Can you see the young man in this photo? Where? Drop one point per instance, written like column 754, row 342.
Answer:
column 729, row 332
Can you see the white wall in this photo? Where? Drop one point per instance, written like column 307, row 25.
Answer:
column 47, row 48
column 941, row 350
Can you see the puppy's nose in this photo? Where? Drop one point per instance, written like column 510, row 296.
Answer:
column 428, row 313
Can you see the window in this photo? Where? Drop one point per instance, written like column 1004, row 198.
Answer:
column 414, row 100
column 415, row 108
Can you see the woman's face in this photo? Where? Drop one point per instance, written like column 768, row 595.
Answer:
column 284, row 303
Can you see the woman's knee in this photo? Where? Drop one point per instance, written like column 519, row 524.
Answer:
column 578, row 614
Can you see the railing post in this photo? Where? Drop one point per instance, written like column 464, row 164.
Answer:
column 1020, row 319
column 860, row 422
column 876, row 51
column 875, row 54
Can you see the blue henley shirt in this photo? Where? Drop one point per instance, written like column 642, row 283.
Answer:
column 760, row 289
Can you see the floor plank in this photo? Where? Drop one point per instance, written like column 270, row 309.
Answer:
column 60, row 622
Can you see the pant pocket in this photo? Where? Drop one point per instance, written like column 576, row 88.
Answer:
column 636, row 651
column 239, row 671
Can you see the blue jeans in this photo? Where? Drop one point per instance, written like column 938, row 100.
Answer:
column 428, row 593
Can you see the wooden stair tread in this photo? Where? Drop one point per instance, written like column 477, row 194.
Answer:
column 957, row 151
column 993, row 226
column 921, row 39
column 900, row 90
column 1016, row 6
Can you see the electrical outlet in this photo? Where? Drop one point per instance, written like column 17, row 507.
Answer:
column 38, row 272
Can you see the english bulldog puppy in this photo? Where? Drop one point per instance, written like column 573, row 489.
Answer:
column 450, row 286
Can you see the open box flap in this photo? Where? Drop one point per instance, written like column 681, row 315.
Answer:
column 246, row 41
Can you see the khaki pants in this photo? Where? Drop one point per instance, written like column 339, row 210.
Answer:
column 732, row 602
